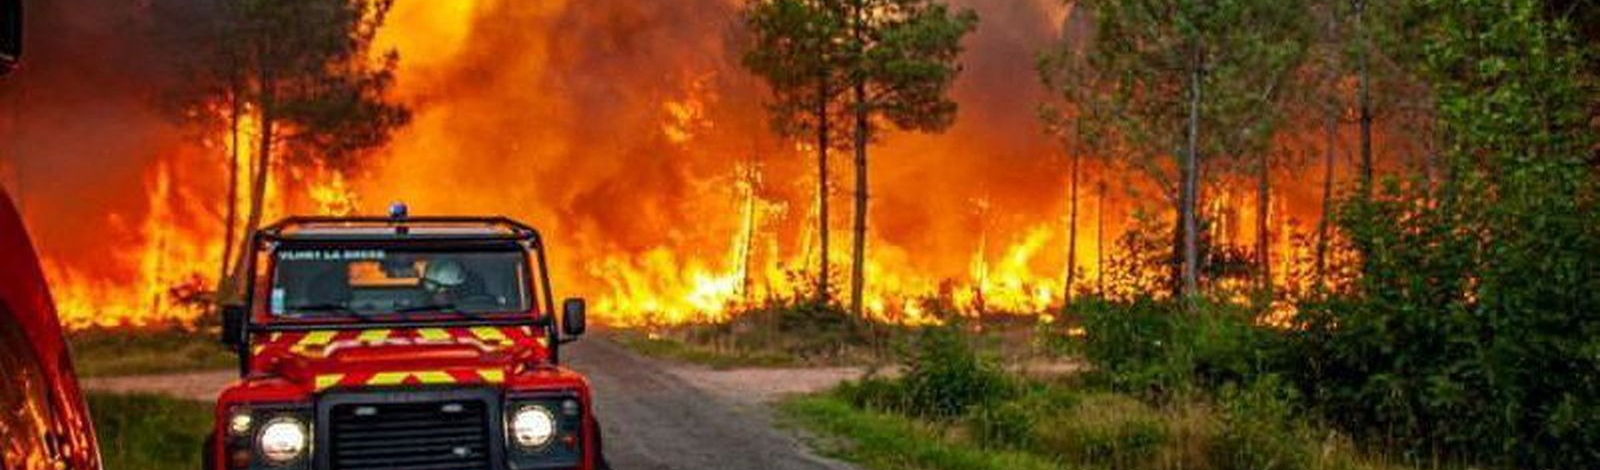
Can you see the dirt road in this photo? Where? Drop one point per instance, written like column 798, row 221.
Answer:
column 655, row 419
column 656, row 415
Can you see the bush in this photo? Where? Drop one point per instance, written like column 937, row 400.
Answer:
column 945, row 376
column 1260, row 429
column 1155, row 348
column 1004, row 425
column 1012, row 424
column 874, row 393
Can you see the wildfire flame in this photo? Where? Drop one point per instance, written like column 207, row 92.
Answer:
column 627, row 132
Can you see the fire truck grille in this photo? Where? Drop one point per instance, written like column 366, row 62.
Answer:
column 437, row 435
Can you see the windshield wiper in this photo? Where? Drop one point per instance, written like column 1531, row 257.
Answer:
column 341, row 309
column 447, row 307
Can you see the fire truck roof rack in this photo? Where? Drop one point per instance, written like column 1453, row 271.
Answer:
column 325, row 228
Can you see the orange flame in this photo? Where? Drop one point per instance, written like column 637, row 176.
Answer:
column 641, row 149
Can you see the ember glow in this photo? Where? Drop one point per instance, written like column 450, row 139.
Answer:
column 628, row 134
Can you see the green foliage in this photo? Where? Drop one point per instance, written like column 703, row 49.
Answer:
column 307, row 64
column 1103, row 430
column 1261, row 430
column 885, row 441
column 945, row 376
column 1156, row 347
column 149, row 432
column 812, row 53
column 795, row 50
column 1169, row 86
column 1470, row 334
column 1005, row 424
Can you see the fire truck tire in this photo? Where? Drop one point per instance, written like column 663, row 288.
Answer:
column 206, row 450
column 599, row 449
column 600, row 461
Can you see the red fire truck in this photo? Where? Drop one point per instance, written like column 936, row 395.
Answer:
column 402, row 343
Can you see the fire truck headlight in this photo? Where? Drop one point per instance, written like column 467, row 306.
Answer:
column 533, row 426
column 283, row 440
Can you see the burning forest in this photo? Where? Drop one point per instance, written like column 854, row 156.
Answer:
column 629, row 133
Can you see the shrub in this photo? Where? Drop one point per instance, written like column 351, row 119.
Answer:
column 945, row 375
column 1004, row 425
column 874, row 393
column 1154, row 348
column 1260, row 430
column 1012, row 424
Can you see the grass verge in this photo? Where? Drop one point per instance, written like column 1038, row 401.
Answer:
column 885, row 441
column 956, row 408
column 149, row 432
column 107, row 353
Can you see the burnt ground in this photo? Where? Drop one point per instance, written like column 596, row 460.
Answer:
column 656, row 415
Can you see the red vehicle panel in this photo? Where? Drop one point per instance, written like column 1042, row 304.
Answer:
column 43, row 421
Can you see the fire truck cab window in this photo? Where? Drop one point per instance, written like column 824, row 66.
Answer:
column 26, row 412
column 314, row 283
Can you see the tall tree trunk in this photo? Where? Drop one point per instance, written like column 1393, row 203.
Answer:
column 263, row 164
column 859, row 249
column 1330, row 128
column 859, row 254
column 749, row 231
column 1072, row 224
column 1263, row 223
column 1188, row 199
column 1100, row 238
column 1364, row 96
column 823, row 132
column 229, row 221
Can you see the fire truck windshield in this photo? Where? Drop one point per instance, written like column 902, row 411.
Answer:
column 327, row 282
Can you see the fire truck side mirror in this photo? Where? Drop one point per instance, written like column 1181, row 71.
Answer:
column 10, row 34
column 574, row 317
column 233, row 319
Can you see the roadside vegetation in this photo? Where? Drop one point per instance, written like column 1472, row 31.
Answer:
column 149, row 432
column 1186, row 394
column 108, row 353
column 1445, row 319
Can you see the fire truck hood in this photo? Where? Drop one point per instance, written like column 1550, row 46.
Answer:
column 320, row 360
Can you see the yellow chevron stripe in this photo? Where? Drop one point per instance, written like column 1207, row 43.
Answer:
column 374, row 336
column 433, row 334
column 327, row 381
column 489, row 335
column 388, row 378
column 493, row 376
column 315, row 339
column 434, row 377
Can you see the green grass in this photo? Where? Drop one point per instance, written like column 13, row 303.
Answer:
column 105, row 353
column 711, row 356
column 149, row 432
column 885, row 441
